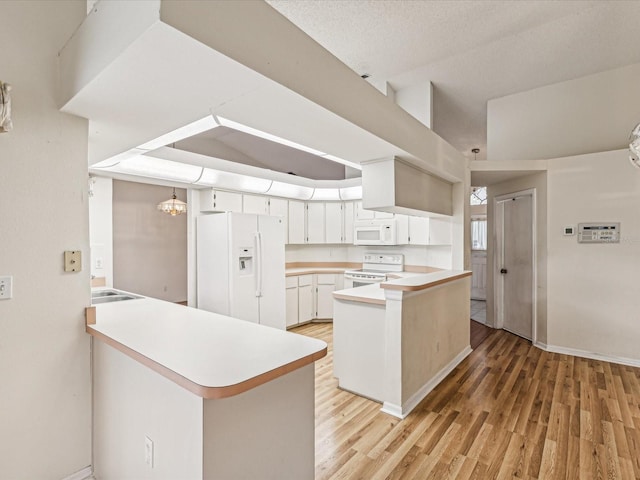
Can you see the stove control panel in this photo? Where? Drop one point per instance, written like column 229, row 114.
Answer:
column 384, row 258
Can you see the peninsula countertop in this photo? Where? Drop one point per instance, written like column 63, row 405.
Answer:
column 406, row 281
column 211, row 355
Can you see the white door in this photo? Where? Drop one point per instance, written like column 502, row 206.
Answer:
column 325, row 301
column 297, row 230
column 292, row 305
column 227, row 201
column 278, row 207
column 349, row 214
column 242, row 272
column 515, row 263
column 255, row 204
column 305, row 303
column 479, row 275
column 418, row 230
column 333, row 222
column 271, row 279
column 315, row 222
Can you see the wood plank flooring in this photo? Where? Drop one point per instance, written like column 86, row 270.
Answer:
column 509, row 411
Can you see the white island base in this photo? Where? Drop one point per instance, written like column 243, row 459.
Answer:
column 263, row 433
column 394, row 342
column 184, row 394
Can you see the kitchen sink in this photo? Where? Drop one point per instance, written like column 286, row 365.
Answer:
column 109, row 296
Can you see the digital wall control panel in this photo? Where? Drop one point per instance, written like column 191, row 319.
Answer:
column 598, row 233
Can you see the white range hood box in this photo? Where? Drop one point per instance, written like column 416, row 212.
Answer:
column 394, row 186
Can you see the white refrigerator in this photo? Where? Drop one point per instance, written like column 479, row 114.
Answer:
column 240, row 270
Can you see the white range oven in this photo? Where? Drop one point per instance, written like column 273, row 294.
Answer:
column 375, row 267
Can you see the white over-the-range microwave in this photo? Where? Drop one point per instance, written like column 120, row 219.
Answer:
column 375, row 232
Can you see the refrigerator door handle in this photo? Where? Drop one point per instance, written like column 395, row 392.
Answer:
column 258, row 241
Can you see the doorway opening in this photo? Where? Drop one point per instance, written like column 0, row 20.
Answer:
column 478, row 231
column 514, row 278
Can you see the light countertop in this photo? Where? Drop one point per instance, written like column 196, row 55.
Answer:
column 213, row 356
column 407, row 281
column 290, row 272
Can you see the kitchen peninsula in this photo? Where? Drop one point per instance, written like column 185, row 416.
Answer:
column 395, row 341
column 184, row 393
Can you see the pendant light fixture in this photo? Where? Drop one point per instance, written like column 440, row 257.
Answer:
column 634, row 146
column 173, row 206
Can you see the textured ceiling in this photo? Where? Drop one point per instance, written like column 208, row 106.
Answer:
column 472, row 51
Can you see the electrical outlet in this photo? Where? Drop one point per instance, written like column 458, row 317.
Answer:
column 6, row 287
column 148, row 451
column 99, row 263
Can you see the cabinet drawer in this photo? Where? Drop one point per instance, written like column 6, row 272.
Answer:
column 305, row 280
column 291, row 282
column 326, row 278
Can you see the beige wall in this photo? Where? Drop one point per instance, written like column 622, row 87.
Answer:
column 594, row 297
column 45, row 383
column 595, row 113
column 149, row 246
column 538, row 182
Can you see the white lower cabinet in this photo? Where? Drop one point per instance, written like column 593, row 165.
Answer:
column 292, row 300
column 306, row 310
column 325, row 286
column 310, row 297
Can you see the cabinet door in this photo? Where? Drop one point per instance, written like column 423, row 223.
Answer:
column 279, row 207
column 402, row 232
column 315, row 222
column 305, row 303
column 296, row 222
column 362, row 214
column 439, row 231
column 255, row 204
column 349, row 214
column 333, row 222
column 418, row 230
column 325, row 301
column 292, row 306
column 381, row 215
column 227, row 201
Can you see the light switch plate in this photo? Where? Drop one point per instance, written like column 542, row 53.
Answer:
column 6, row 287
column 72, row 261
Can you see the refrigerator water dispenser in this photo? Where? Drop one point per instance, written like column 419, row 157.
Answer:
column 245, row 261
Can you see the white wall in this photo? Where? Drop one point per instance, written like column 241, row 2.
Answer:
column 149, row 246
column 45, row 383
column 591, row 114
column 594, row 294
column 101, row 229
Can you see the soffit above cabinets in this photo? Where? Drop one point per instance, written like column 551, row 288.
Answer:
column 138, row 70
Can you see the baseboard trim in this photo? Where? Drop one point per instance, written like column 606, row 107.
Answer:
column 85, row 474
column 631, row 362
column 413, row 401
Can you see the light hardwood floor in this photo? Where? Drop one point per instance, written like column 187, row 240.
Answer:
column 510, row 410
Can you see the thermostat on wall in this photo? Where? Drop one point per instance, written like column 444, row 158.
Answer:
column 598, row 233
column 569, row 230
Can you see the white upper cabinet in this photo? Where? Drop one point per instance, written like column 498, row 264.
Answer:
column 297, row 230
column 440, row 231
column 279, row 207
column 255, row 204
column 418, row 230
column 333, row 222
column 402, row 232
column 348, row 217
column 316, row 222
column 220, row 201
column 363, row 214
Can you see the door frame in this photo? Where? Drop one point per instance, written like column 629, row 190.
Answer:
column 498, row 278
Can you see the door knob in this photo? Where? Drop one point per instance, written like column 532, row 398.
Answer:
column 503, row 270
